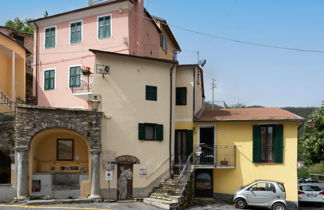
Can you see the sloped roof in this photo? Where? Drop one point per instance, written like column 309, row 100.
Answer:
column 247, row 114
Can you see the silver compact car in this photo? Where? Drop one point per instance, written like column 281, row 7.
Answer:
column 261, row 193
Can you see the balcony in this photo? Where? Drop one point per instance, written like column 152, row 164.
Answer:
column 83, row 87
column 215, row 157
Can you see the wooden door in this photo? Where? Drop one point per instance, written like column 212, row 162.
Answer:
column 125, row 181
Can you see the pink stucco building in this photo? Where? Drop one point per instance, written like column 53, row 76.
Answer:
column 62, row 44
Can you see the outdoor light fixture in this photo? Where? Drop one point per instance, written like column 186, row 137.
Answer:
column 94, row 102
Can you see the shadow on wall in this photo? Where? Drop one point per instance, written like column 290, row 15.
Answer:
column 5, row 168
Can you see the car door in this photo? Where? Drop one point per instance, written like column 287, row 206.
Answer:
column 261, row 194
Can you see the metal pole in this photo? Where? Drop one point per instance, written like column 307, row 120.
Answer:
column 213, row 89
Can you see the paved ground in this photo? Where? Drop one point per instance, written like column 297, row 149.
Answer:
column 129, row 206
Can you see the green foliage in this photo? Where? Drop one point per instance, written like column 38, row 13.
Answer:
column 208, row 105
column 302, row 173
column 304, row 112
column 317, row 168
column 20, row 25
column 236, row 106
column 313, row 138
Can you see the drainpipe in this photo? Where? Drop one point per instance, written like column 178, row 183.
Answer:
column 37, row 62
column 13, row 81
column 194, row 93
column 171, row 128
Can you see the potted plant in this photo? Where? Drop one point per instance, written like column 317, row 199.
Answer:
column 224, row 162
column 86, row 70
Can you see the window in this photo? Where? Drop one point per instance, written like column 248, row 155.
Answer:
column 104, row 27
column 181, row 96
column 150, row 131
column 75, row 76
column 151, row 93
column 75, row 32
column 262, row 186
column 268, row 144
column 50, row 37
column 65, row 149
column 49, row 79
column 164, row 42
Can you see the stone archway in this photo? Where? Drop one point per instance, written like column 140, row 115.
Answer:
column 31, row 120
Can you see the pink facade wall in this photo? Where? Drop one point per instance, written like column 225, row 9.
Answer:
column 65, row 55
column 131, row 33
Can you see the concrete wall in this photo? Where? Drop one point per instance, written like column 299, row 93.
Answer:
column 7, row 193
column 123, row 101
column 227, row 181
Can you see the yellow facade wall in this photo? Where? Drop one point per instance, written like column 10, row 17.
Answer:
column 171, row 46
column 44, row 149
column 227, row 181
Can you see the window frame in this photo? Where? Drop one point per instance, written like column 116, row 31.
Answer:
column 57, row 150
column 98, row 17
column 164, row 43
column 69, row 74
column 147, row 96
column 55, row 37
column 44, row 79
column 264, row 147
column 70, row 32
column 158, row 132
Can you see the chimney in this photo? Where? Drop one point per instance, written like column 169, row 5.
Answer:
column 139, row 25
column 90, row 3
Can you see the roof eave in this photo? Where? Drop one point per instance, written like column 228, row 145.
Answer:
column 251, row 120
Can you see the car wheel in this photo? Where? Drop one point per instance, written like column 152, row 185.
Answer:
column 278, row 206
column 240, row 203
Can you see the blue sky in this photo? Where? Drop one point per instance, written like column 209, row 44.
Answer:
column 246, row 74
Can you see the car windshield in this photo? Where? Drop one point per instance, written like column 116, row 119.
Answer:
column 309, row 188
column 282, row 187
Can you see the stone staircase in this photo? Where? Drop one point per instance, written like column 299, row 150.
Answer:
column 174, row 193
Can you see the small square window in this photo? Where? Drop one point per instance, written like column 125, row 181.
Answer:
column 181, row 96
column 150, row 131
column 151, row 93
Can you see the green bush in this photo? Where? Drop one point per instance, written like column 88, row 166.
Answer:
column 317, row 168
column 302, row 173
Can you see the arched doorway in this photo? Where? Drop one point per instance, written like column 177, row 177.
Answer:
column 58, row 164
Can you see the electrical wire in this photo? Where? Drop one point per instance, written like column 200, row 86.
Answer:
column 258, row 44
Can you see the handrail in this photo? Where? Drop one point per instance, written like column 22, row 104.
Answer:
column 185, row 174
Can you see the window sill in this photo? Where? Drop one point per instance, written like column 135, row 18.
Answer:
column 268, row 163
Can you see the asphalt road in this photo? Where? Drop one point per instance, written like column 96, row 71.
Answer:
column 129, row 206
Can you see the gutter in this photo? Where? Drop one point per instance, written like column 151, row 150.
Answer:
column 194, row 92
column 170, row 125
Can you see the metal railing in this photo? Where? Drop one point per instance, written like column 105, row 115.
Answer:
column 85, row 85
column 5, row 100
column 185, row 174
column 221, row 156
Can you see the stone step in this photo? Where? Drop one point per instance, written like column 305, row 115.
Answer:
column 175, row 199
column 169, row 192
column 163, row 204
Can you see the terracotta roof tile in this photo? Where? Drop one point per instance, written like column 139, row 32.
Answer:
column 247, row 114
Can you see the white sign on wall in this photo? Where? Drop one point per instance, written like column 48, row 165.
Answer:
column 108, row 175
column 143, row 171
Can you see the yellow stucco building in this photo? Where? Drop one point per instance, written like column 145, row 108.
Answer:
column 12, row 73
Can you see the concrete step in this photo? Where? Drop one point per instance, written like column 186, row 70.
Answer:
column 163, row 204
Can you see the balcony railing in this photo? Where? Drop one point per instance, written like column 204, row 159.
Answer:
column 85, row 85
column 220, row 156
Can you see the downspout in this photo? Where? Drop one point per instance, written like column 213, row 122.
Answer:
column 194, row 93
column 171, row 128
column 37, row 62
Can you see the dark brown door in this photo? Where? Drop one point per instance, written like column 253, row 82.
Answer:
column 125, row 181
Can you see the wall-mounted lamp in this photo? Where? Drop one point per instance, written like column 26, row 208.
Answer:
column 94, row 102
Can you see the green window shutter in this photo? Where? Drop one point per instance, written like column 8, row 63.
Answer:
column 104, row 28
column 75, row 76
column 256, row 144
column 141, row 131
column 181, row 96
column 151, row 93
column 76, row 30
column 278, row 144
column 159, row 132
column 189, row 143
column 49, row 80
column 50, row 37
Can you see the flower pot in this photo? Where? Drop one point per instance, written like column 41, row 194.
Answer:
column 224, row 162
column 86, row 73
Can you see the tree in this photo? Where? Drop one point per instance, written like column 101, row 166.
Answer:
column 19, row 25
column 236, row 106
column 313, row 138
